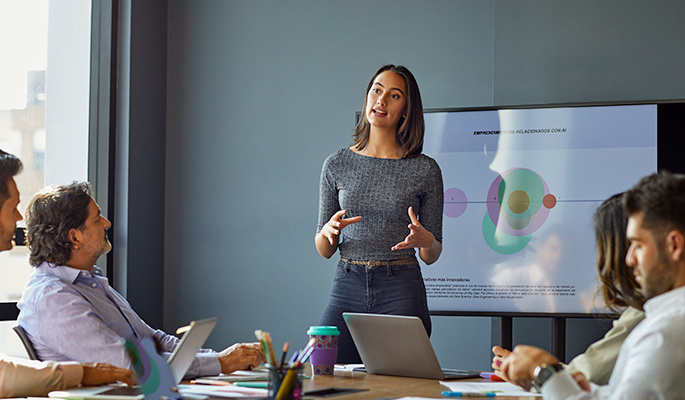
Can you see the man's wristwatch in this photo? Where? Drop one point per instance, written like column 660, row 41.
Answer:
column 543, row 372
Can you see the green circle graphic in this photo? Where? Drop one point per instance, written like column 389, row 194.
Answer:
column 500, row 241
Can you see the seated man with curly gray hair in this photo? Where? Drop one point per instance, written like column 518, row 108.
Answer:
column 68, row 308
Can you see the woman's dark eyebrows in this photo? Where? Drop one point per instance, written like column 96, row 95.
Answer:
column 381, row 85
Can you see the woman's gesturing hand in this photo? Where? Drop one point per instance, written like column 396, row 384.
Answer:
column 418, row 235
column 331, row 230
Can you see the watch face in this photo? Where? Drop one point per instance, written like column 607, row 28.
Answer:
column 544, row 374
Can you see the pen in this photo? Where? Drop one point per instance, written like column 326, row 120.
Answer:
column 281, row 366
column 309, row 345
column 468, row 394
column 294, row 358
column 307, row 354
column 285, row 353
column 260, row 336
column 211, row 382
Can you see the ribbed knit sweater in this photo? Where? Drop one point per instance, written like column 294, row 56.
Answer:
column 380, row 190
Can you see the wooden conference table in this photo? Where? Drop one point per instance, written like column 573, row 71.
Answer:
column 381, row 386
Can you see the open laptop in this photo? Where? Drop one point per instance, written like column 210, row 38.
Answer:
column 398, row 345
column 183, row 355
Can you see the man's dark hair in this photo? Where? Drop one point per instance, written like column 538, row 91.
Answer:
column 660, row 197
column 50, row 215
column 10, row 166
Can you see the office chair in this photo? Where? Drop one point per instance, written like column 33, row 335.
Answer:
column 26, row 342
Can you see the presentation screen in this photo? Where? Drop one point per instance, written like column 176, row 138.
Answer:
column 521, row 188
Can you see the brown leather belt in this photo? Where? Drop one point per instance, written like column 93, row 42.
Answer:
column 374, row 263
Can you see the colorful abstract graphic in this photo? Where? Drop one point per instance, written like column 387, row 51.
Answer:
column 518, row 204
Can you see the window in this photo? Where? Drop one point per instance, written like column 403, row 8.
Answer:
column 45, row 99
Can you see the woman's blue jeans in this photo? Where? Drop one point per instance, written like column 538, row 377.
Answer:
column 396, row 290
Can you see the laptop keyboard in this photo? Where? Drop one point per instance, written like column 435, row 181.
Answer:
column 123, row 391
column 460, row 373
column 449, row 373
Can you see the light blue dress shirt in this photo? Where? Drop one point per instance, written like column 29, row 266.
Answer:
column 74, row 315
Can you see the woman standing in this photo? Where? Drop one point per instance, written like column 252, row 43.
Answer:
column 379, row 200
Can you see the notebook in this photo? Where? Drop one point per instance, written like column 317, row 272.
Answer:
column 178, row 363
column 398, row 345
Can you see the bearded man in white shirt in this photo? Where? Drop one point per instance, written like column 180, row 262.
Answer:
column 651, row 362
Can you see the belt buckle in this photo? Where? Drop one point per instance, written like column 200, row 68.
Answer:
column 369, row 264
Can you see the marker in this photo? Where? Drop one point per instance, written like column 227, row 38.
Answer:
column 262, row 385
column 492, row 376
column 468, row 394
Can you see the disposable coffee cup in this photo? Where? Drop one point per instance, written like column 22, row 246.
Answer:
column 325, row 351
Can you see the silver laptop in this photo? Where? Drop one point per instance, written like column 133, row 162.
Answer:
column 195, row 336
column 398, row 345
column 186, row 350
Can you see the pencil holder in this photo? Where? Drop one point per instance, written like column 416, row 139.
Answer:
column 286, row 383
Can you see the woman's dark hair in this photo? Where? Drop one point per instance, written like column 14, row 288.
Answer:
column 410, row 130
column 51, row 214
column 619, row 288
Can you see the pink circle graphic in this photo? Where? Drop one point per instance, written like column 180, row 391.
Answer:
column 500, row 220
column 455, row 203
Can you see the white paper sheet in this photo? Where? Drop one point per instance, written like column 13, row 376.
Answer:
column 347, row 367
column 237, row 376
column 499, row 388
column 221, row 391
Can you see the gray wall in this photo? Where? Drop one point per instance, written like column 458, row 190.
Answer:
column 583, row 51
column 260, row 92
